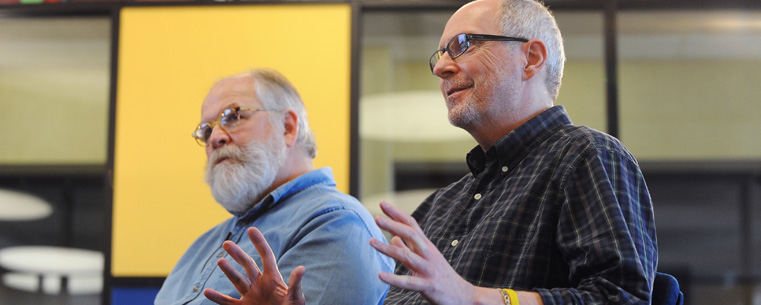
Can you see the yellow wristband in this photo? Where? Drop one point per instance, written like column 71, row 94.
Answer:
column 513, row 297
column 505, row 296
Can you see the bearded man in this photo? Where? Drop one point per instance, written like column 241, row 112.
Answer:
column 259, row 166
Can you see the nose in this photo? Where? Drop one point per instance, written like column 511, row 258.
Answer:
column 218, row 137
column 445, row 67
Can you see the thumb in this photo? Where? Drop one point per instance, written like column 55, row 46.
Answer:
column 295, row 293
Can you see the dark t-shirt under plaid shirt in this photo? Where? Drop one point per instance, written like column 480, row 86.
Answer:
column 552, row 207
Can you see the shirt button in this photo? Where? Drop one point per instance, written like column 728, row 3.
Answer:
column 455, row 242
column 196, row 288
column 504, row 169
column 477, row 196
column 221, row 254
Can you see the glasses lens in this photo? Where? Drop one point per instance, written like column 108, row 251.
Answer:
column 202, row 134
column 206, row 130
column 229, row 119
column 458, row 45
column 434, row 59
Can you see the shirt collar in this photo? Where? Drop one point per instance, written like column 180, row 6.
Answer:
column 318, row 176
column 512, row 147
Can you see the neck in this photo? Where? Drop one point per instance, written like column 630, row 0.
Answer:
column 510, row 110
column 297, row 164
column 489, row 130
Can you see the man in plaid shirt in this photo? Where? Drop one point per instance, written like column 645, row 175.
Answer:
column 550, row 213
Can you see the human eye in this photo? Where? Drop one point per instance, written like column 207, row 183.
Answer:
column 458, row 45
column 230, row 114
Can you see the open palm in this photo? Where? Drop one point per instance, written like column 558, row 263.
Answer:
column 265, row 286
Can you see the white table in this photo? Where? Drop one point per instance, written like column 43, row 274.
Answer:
column 52, row 270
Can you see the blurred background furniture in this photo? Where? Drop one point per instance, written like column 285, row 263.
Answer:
column 52, row 270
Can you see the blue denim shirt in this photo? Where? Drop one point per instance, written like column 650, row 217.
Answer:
column 306, row 221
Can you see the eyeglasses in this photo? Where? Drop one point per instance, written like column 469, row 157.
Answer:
column 228, row 120
column 459, row 44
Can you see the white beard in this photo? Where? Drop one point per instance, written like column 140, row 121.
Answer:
column 238, row 183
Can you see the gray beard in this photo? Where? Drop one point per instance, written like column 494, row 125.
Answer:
column 474, row 107
column 239, row 182
column 464, row 114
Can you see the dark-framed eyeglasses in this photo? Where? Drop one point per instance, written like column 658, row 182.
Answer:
column 228, row 120
column 459, row 44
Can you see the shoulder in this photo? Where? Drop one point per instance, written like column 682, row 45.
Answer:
column 323, row 199
column 585, row 142
column 323, row 204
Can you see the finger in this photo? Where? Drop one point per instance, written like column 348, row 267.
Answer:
column 269, row 265
column 396, row 241
column 415, row 239
column 403, row 281
column 397, row 214
column 239, row 281
column 243, row 259
column 295, row 293
column 404, row 255
column 219, row 298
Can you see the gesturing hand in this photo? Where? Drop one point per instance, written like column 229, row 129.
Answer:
column 257, row 287
column 431, row 275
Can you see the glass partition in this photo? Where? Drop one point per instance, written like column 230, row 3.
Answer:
column 54, row 92
column 402, row 115
column 54, row 85
column 689, row 105
column 689, row 84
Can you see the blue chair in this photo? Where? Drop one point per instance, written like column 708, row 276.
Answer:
column 666, row 290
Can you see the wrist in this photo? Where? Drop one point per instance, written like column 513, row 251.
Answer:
column 487, row 296
column 508, row 296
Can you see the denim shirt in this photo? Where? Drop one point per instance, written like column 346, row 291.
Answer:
column 306, row 221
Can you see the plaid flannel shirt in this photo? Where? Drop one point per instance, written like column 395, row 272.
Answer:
column 555, row 208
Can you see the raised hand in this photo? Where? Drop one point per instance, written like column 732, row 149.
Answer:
column 265, row 286
column 431, row 275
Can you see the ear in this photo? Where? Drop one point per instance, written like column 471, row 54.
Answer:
column 536, row 55
column 291, row 127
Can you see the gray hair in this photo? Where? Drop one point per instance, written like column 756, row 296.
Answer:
column 531, row 19
column 277, row 94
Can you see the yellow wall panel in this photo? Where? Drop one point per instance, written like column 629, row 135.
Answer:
column 168, row 59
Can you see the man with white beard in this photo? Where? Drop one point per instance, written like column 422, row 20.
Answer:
column 259, row 166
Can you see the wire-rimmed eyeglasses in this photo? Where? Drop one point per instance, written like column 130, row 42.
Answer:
column 228, row 120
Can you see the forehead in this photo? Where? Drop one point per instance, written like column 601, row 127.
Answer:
column 229, row 92
column 479, row 17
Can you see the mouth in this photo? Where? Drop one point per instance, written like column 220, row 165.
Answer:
column 220, row 160
column 455, row 90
